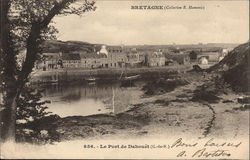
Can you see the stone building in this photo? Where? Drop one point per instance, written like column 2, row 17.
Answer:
column 134, row 58
column 115, row 57
column 156, row 59
column 49, row 61
column 175, row 58
column 212, row 57
column 203, row 60
column 70, row 60
column 93, row 60
column 106, row 57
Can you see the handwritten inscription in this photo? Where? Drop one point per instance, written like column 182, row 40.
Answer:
column 211, row 143
column 202, row 153
column 179, row 143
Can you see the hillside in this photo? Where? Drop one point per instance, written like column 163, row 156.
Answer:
column 206, row 47
column 68, row 46
column 79, row 46
column 235, row 68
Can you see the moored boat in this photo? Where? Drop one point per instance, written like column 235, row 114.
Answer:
column 128, row 81
column 134, row 77
column 90, row 79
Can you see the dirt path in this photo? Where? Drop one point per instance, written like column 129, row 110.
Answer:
column 210, row 123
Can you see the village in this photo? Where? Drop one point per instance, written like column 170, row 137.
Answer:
column 124, row 57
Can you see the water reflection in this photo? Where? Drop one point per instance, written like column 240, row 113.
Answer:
column 84, row 99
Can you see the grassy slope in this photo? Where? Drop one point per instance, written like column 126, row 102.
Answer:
column 235, row 68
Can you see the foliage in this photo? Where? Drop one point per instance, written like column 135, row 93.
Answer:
column 24, row 26
column 193, row 55
column 29, row 105
column 163, row 85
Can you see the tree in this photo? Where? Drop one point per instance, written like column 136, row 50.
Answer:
column 32, row 118
column 193, row 55
column 26, row 24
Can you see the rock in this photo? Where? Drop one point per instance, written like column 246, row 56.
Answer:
column 28, row 131
column 163, row 102
column 162, row 86
column 44, row 133
column 60, row 130
column 74, row 121
column 227, row 101
column 225, row 67
column 142, row 132
column 207, row 96
column 244, row 100
column 21, row 121
column 243, row 108
column 197, row 68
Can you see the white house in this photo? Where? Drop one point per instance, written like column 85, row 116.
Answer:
column 203, row 60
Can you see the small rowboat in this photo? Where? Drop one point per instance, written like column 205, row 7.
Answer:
column 90, row 79
column 134, row 77
column 128, row 81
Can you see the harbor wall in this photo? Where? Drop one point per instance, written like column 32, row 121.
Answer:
column 78, row 74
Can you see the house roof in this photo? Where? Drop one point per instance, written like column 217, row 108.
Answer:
column 210, row 56
column 207, row 57
column 51, row 56
column 155, row 54
column 93, row 55
column 114, row 49
column 177, row 57
column 71, row 56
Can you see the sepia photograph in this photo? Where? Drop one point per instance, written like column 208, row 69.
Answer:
column 124, row 79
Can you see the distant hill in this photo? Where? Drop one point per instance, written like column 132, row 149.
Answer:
column 79, row 46
column 208, row 45
column 69, row 46
column 222, row 45
column 235, row 68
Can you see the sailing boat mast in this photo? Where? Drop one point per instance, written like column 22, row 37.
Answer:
column 113, row 100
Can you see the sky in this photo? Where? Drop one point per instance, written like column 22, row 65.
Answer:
column 115, row 23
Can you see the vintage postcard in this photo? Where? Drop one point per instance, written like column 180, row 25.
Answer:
column 124, row 79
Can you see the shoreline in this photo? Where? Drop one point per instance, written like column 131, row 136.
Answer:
column 78, row 74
